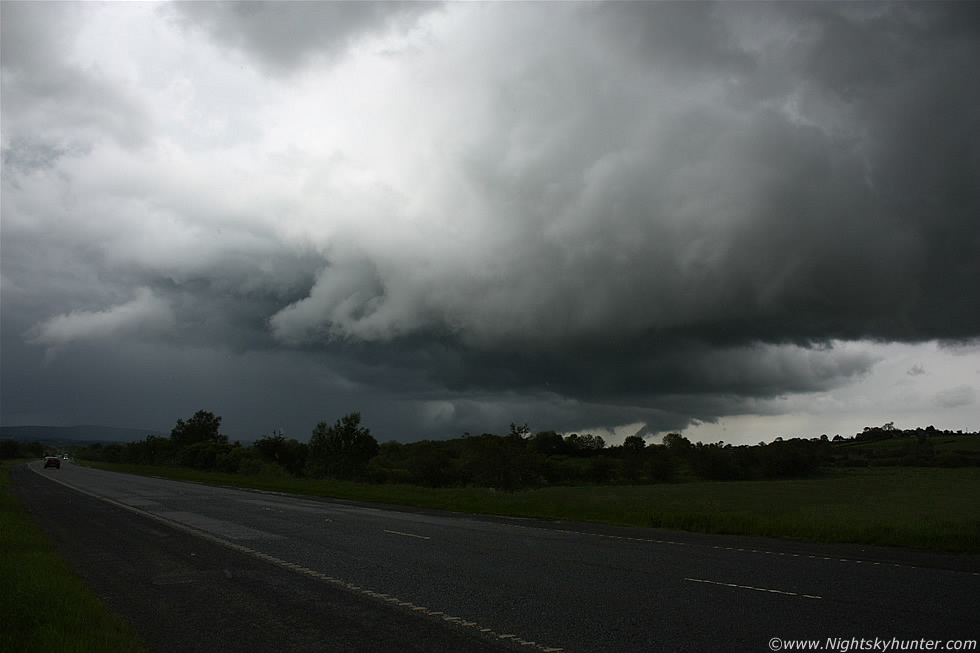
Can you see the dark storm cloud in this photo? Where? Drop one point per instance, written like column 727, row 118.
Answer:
column 837, row 201
column 855, row 218
column 691, row 37
column 223, row 304
column 830, row 206
column 285, row 35
column 583, row 215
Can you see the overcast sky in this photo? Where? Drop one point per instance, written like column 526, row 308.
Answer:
column 736, row 220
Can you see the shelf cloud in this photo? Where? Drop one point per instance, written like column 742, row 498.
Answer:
column 454, row 216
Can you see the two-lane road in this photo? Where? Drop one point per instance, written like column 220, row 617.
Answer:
column 515, row 583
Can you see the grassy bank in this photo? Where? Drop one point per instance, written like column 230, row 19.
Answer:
column 44, row 603
column 927, row 508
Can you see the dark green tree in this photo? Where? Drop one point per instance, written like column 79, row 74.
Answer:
column 203, row 427
column 634, row 443
column 495, row 461
column 660, row 466
column 585, row 443
column 677, row 443
column 391, row 464
column 271, row 447
column 9, row 449
column 289, row 454
column 342, row 450
column 632, row 453
column 202, row 455
column 153, row 450
column 432, row 464
column 549, row 443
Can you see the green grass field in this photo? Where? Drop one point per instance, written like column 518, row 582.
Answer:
column 942, row 450
column 44, row 603
column 917, row 507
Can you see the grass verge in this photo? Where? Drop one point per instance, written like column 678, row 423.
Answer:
column 45, row 604
column 914, row 507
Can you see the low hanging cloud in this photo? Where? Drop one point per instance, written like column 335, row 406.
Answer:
column 916, row 370
column 145, row 316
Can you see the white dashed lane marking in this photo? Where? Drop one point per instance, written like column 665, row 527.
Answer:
column 737, row 549
column 749, row 587
column 421, row 537
column 319, row 575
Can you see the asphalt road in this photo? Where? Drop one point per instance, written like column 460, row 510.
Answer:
column 195, row 567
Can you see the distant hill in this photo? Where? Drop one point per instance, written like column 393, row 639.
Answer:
column 86, row 432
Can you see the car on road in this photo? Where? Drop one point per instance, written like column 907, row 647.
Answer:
column 52, row 461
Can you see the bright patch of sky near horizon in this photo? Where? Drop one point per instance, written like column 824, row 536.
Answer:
column 910, row 385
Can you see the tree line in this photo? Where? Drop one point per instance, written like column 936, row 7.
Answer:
column 346, row 450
